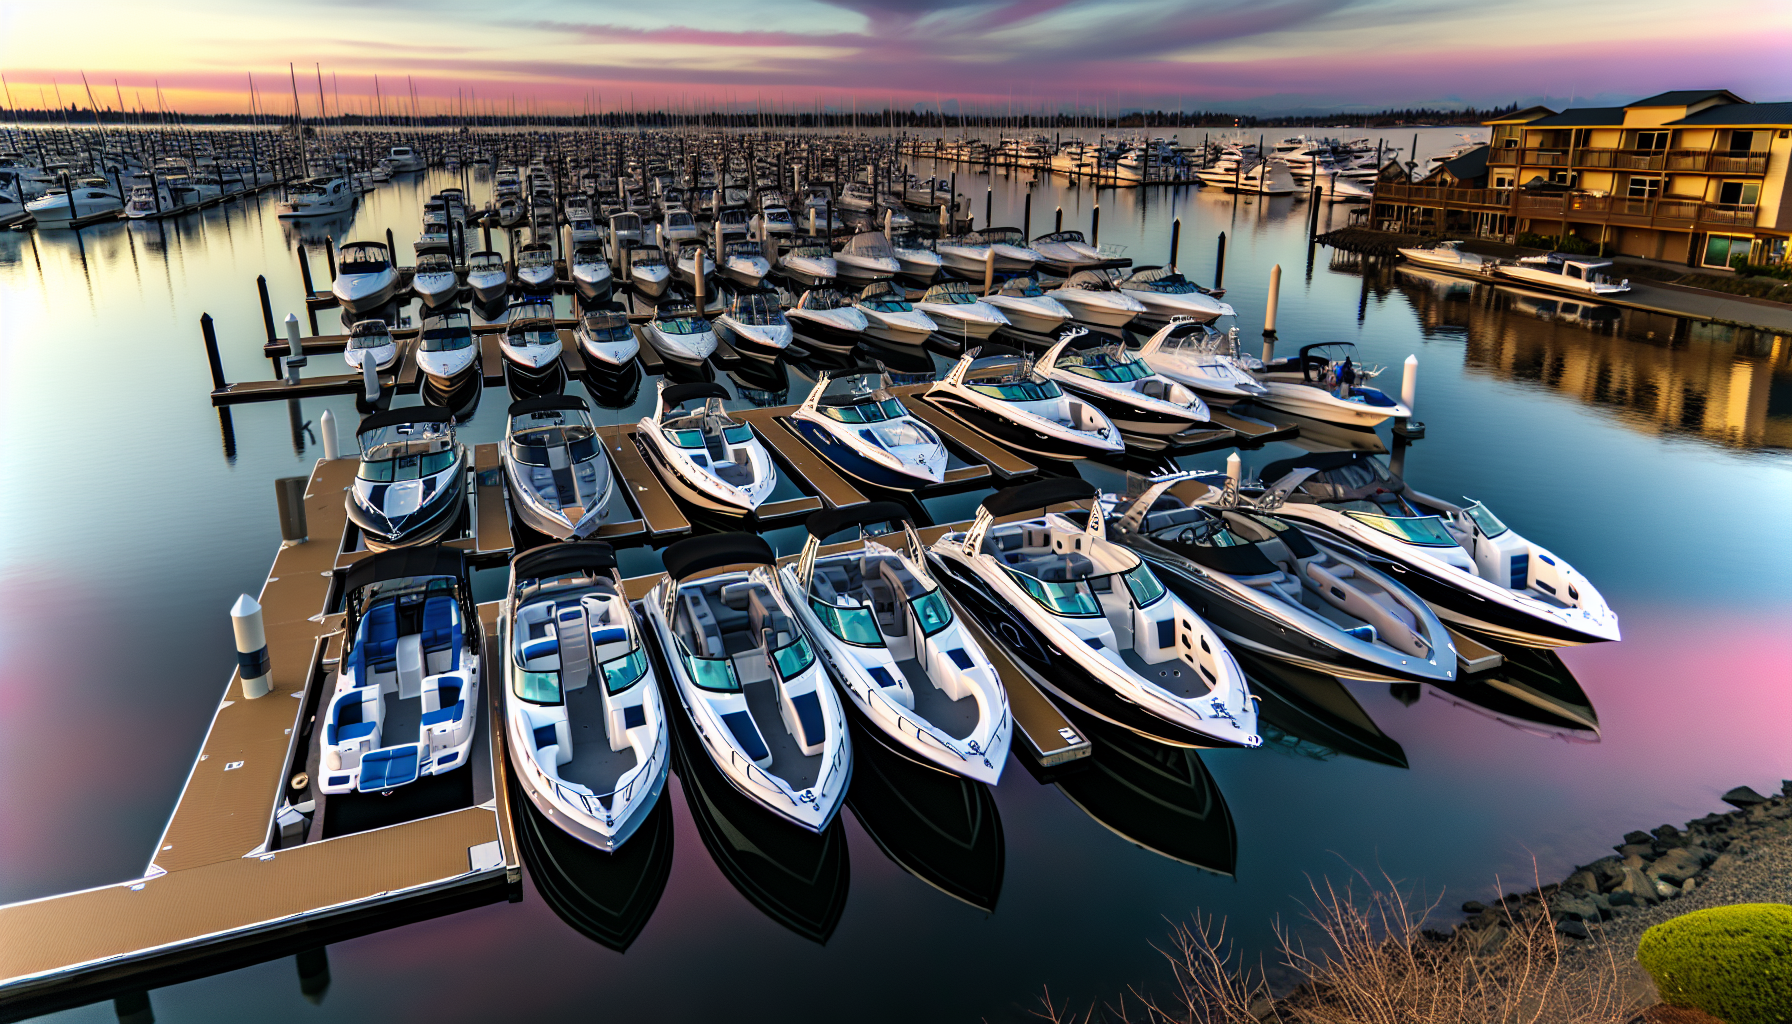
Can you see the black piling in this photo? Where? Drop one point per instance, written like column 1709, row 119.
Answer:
column 267, row 307
column 1026, row 216
column 305, row 271
column 330, row 260
column 1058, row 225
column 989, row 205
column 211, row 352
column 391, row 251
column 1219, row 265
column 1095, row 226
column 1175, row 240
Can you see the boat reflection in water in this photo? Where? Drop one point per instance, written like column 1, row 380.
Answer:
column 938, row 826
column 763, row 383
column 614, row 389
column 607, row 897
column 1312, row 714
column 1531, row 690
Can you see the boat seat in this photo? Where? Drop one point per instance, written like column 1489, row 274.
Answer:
column 1156, row 521
column 703, row 625
column 811, row 732
column 746, row 733
column 353, row 717
column 739, row 595
column 575, row 657
column 769, row 621
column 378, row 646
column 1064, row 568
column 441, row 634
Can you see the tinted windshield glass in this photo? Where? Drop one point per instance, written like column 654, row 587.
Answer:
column 1488, row 522
column 537, row 687
column 1022, row 391
column 853, row 625
column 1072, row 599
column 713, row 674
column 793, row 658
column 446, row 339
column 624, row 672
column 1144, row 586
column 1426, row 531
column 932, row 612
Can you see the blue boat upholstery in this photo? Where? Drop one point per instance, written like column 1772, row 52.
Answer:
column 746, row 733
column 808, row 716
column 376, row 646
column 389, row 768
column 354, row 716
column 575, row 653
column 441, row 634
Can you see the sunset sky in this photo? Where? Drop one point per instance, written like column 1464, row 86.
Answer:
column 564, row 56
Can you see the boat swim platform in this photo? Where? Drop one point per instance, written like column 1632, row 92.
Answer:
column 221, row 890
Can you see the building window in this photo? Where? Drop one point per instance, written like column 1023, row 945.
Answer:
column 1725, row 250
column 1582, row 137
column 1644, row 188
column 1563, row 178
column 1738, row 193
column 1741, row 141
column 1499, row 182
column 1651, row 140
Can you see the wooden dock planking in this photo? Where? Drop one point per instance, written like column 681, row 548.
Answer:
column 491, row 530
column 309, row 387
column 647, row 494
column 1472, row 655
column 571, row 356
column 650, row 357
column 491, row 359
column 1048, row 736
column 833, row 489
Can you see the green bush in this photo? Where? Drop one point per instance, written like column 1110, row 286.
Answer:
column 1733, row 962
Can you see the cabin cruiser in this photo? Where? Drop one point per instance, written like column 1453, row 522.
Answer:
column 1447, row 256
column 82, row 201
column 889, row 316
column 890, row 640
column 1269, row 588
column 434, row 280
column 966, row 254
column 1086, row 620
column 487, row 276
column 316, row 197
column 734, row 225
column 411, row 486
column 1579, row 274
column 754, row 321
column 744, row 263
column 705, row 456
column 531, row 346
column 1193, row 353
column 445, row 350
column 679, row 332
column 1135, row 397
column 957, row 311
column 1473, row 569
column 868, row 256
column 809, row 262
column 435, row 236
column 1166, row 293
column 648, row 272
column 405, row 699
column 748, row 678
column 365, row 277
column 677, row 227
column 535, row 270
column 606, row 340
column 1091, row 297
column 868, row 433
column 404, row 159
column 915, row 257
column 555, row 466
column 590, row 273
column 1259, row 177
column 1321, row 383
column 1066, row 251
column 583, row 718
column 370, row 341
column 686, row 263
column 1005, row 398
column 581, row 227
column 827, row 319
column 1027, row 306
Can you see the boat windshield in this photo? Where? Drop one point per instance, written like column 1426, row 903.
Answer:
column 537, row 258
column 793, row 658
column 1425, row 531
column 1020, row 391
column 866, row 412
column 530, row 446
column 814, row 252
column 537, row 687
column 624, row 672
column 887, row 304
column 1106, row 366
column 607, row 327
column 362, row 259
column 743, row 250
column 950, row 297
column 365, row 337
column 683, row 325
column 1484, row 518
column 450, row 338
column 1072, row 598
column 932, row 611
column 756, row 311
column 713, row 674
column 405, row 467
column 1022, row 287
column 855, row 625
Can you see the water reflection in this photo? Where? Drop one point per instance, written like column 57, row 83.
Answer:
column 763, row 383
column 1532, row 690
column 607, row 897
column 1314, row 715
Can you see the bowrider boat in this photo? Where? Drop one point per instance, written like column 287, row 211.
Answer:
column 531, row 346
column 1134, row 396
column 1195, row 354
column 606, row 339
column 915, row 258
column 370, row 340
column 1447, row 256
column 434, row 280
column 957, row 311
column 1578, row 274
column 868, row 433
column 411, row 486
column 590, row 273
column 1086, row 620
column 868, row 256
column 535, row 271
column 678, row 332
column 889, row 638
column 1013, row 256
column 1066, row 251
column 406, row 694
column 445, row 350
column 744, row 263
column 754, row 321
column 1027, row 306
column 888, row 315
column 559, row 477
column 707, row 457
column 1320, row 383
column 685, row 262
column 487, row 276
column 749, row 679
column 827, row 320
column 1091, row 297
column 365, row 277
column 1005, row 398
column 648, row 272
column 583, row 717
column 809, row 262
column 1166, row 293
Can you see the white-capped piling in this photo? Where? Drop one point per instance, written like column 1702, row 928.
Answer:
column 1409, row 382
column 326, row 425
column 1234, row 469
column 251, row 647
column 989, row 269
column 1269, row 312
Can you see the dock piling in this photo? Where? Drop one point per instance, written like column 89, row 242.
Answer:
column 330, row 260
column 370, row 380
column 305, row 272
column 989, row 205
column 314, row 974
column 1026, row 216
column 1234, row 469
column 295, row 349
column 251, row 645
column 267, row 307
column 134, row 1008
column 1269, row 311
column 1219, row 266
column 1058, row 225
column 1408, row 427
column 291, row 492
column 1175, row 240
column 989, row 270
column 326, row 425
column 1095, row 227
column 391, row 254
column 211, row 352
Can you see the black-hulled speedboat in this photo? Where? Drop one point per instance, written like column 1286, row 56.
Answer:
column 411, row 487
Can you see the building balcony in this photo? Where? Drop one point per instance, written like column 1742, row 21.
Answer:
column 1426, row 195
column 1642, row 212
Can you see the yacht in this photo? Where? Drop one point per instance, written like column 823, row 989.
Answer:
column 888, row 636
column 959, row 312
column 744, row 263
column 316, row 197
column 1005, row 398
column 868, row 256
column 405, row 698
column 1270, row 588
column 748, row 678
column 445, row 349
column 555, row 466
column 411, row 486
column 1193, row 353
column 1138, row 399
column 707, row 457
column 365, row 277
column 531, row 347
column 583, row 718
column 1166, row 293
column 1086, row 620
column 535, row 270
column 648, row 272
column 754, row 321
column 678, row 332
column 434, row 280
column 867, row 433
column 1027, row 306
column 1447, row 256
column 84, row 201
column 370, row 340
column 889, row 315
column 590, row 273
column 488, row 276
column 606, row 340
column 1320, row 383
column 1578, row 274
column 809, row 262
column 436, row 236
column 1091, row 297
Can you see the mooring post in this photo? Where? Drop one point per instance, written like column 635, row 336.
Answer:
column 326, row 425
column 251, row 643
column 989, row 205
column 1095, row 227
column 1058, row 224
column 1234, row 469
column 267, row 307
column 1219, row 266
column 211, row 352
column 1269, row 312
column 391, row 253
column 1408, row 427
column 1175, row 240
column 1313, row 213
column 697, row 275
column 1026, row 216
column 305, row 272
column 314, row 974
column 989, row 269
column 295, row 349
column 330, row 260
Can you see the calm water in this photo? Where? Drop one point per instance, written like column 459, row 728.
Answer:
column 1650, row 453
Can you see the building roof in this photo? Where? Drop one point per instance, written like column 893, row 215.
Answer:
column 1686, row 98
column 1582, row 117
column 1741, row 113
column 1521, row 116
column 1470, row 165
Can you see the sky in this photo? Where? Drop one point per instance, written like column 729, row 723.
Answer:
column 564, row 56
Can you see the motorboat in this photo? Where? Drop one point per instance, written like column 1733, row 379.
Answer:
column 1092, row 297
column 959, row 312
column 84, row 201
column 916, row 258
column 1447, row 256
column 1472, row 568
column 744, row 263
column 748, row 678
column 404, row 160
column 677, row 227
column 434, row 280
column 488, row 276
column 773, row 219
column 315, row 197
column 1136, row 398
column 531, row 347
column 365, row 277
column 1086, row 620
column 12, row 201
column 625, row 234
column 535, row 270
column 966, row 254
column 1566, row 272
column 1066, row 251
column 647, row 271
column 706, row 456
column 583, row 718
column 590, row 273
column 1005, row 398
column 1027, row 306
column 678, row 332
column 827, row 319
column 606, row 340
column 554, row 464
column 411, row 486
column 445, row 349
column 1270, row 588
column 685, row 263
column 868, row 256
column 868, row 433
column 1335, row 186
column 370, row 341
column 889, row 315
column 888, row 636
column 436, row 236
column 808, row 261
column 1321, row 383
column 581, row 227
column 405, row 698
column 1193, row 353
column 754, row 321
column 734, row 225
column 1250, row 176
column 1166, row 293
column 1013, row 256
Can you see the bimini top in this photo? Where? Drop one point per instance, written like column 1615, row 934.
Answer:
column 1091, row 280
column 1339, row 476
column 829, row 521
column 407, row 414
column 678, row 394
column 547, row 403
column 716, row 549
column 551, row 560
column 434, row 560
column 1037, row 495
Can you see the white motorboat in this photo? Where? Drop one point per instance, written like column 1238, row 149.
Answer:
column 959, row 313
column 1027, row 306
column 583, row 718
column 606, row 339
column 531, row 347
column 365, row 277
column 868, row 256
column 707, row 457
column 405, row 700
column 890, row 640
column 1337, row 187
column 1066, row 251
column 12, row 202
column 535, row 270
column 435, row 236
column 1006, row 399
column 677, row 331
column 625, row 234
column 1091, row 297
column 915, row 257
column 754, row 321
column 1135, row 397
column 1322, row 383
column 84, row 201
column 685, row 264
column 1086, row 620
column 677, row 226
column 445, row 349
column 966, row 254
column 648, row 273
column 867, row 433
column 488, row 276
column 809, row 262
column 370, row 340
column 1192, row 353
column 744, row 263
column 1166, row 293
column 590, row 273
column 411, row 486
column 1581, row 275
column 773, row 220
column 1255, row 177
column 735, row 226
column 316, row 197
column 1013, row 256
column 434, row 280
column 555, row 466
column 748, row 678
column 827, row 319
column 890, row 316
column 1447, row 256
